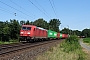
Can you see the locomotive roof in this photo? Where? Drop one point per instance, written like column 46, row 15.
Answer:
column 28, row 25
column 34, row 26
column 41, row 28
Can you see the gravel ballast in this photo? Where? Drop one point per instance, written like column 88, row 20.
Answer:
column 29, row 53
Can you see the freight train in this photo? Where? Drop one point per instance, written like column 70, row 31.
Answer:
column 33, row 33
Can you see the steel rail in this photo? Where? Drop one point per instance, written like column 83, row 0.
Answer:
column 8, row 49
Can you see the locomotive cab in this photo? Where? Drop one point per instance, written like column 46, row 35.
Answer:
column 26, row 32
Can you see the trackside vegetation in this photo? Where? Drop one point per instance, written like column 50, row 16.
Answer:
column 68, row 50
column 86, row 40
column 9, row 42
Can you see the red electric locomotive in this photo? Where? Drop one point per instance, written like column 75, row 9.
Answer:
column 31, row 33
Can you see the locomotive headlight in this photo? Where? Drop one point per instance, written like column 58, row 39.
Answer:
column 21, row 32
column 28, row 33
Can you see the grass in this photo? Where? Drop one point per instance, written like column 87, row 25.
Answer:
column 87, row 52
column 68, row 50
column 86, row 40
column 9, row 42
column 57, row 53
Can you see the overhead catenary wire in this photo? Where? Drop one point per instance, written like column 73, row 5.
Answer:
column 38, row 8
column 42, row 8
column 3, row 9
column 16, row 9
column 22, row 8
column 53, row 8
column 12, row 13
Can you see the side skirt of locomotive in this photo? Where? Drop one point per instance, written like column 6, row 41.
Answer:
column 31, row 39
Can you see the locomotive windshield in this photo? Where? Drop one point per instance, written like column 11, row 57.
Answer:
column 26, row 28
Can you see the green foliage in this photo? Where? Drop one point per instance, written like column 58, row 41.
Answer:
column 64, row 51
column 9, row 30
column 72, row 39
column 54, row 24
column 4, row 31
column 81, row 56
column 86, row 40
column 22, row 22
column 14, row 29
column 41, row 23
column 76, row 32
column 27, row 22
column 9, row 42
column 65, row 31
column 71, row 44
column 71, row 32
column 1, row 27
column 86, row 32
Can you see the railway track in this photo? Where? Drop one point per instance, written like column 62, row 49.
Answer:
column 11, row 47
column 6, row 49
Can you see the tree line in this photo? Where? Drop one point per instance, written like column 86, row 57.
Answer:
column 85, row 32
column 11, row 29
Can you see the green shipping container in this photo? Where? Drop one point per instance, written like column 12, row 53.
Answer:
column 52, row 34
column 60, row 35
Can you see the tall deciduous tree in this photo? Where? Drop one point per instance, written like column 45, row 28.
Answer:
column 76, row 32
column 1, row 29
column 14, row 28
column 41, row 23
column 54, row 24
column 65, row 31
column 86, row 32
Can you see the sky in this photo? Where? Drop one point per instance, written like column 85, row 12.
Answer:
column 73, row 14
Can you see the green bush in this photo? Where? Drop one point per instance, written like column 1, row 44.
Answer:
column 71, row 44
column 72, row 39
